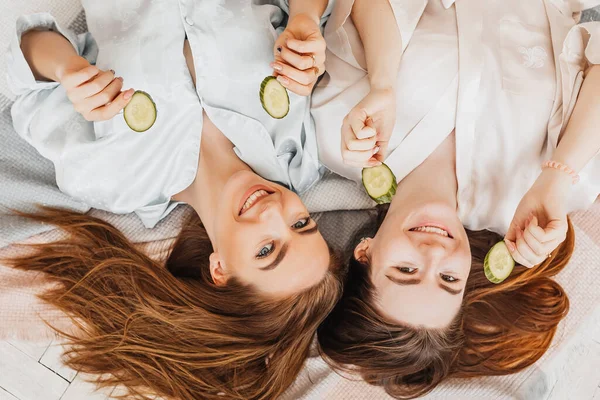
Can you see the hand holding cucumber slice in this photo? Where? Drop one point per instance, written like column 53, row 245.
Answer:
column 380, row 183
column 274, row 98
column 498, row 263
column 140, row 113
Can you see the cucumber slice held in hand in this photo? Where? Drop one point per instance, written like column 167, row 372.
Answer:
column 274, row 98
column 498, row 263
column 380, row 183
column 140, row 113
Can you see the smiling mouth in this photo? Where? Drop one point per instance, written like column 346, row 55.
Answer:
column 435, row 230
column 253, row 199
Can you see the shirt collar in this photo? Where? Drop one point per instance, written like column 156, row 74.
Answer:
column 448, row 3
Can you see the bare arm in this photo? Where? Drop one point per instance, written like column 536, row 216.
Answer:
column 378, row 30
column 95, row 94
column 49, row 54
column 312, row 8
column 581, row 140
column 367, row 129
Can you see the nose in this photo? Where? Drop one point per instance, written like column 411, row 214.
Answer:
column 433, row 249
column 271, row 209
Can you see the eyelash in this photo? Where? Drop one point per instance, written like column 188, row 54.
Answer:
column 269, row 251
column 303, row 223
column 449, row 278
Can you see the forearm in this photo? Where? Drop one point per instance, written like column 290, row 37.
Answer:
column 581, row 140
column 48, row 54
column 378, row 30
column 312, row 8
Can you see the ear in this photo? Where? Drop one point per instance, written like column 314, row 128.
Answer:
column 361, row 251
column 217, row 270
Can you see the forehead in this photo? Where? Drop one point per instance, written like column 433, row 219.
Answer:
column 423, row 305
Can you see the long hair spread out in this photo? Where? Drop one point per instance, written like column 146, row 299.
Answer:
column 500, row 329
column 171, row 331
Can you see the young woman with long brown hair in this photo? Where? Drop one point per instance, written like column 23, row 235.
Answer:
column 249, row 278
column 486, row 112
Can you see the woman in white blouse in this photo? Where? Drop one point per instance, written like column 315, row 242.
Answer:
column 256, row 276
column 487, row 113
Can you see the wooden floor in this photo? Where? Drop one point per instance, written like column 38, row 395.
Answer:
column 34, row 372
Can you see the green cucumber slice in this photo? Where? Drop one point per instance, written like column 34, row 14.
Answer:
column 380, row 183
column 140, row 113
column 498, row 263
column 274, row 98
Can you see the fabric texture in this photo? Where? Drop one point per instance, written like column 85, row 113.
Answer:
column 27, row 178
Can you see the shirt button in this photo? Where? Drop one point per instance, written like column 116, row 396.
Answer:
column 189, row 21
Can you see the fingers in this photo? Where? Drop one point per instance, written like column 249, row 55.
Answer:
column 360, row 159
column 74, row 79
column 357, row 155
column 93, row 87
column 361, row 144
column 110, row 110
column 302, row 77
column 299, row 89
column 298, row 61
column 358, row 121
column 520, row 252
column 106, row 96
column 315, row 46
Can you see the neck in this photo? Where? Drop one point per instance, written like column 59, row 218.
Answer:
column 218, row 162
column 434, row 181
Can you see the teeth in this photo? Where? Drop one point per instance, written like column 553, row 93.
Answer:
column 255, row 196
column 431, row 229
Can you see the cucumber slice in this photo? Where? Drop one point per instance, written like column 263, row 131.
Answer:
column 274, row 98
column 380, row 183
column 498, row 263
column 140, row 113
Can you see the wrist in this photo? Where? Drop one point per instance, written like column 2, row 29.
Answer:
column 314, row 17
column 557, row 178
column 382, row 81
column 74, row 63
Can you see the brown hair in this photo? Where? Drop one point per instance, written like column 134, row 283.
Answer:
column 500, row 329
column 171, row 331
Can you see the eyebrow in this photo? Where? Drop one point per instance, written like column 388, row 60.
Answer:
column 277, row 259
column 448, row 289
column 404, row 281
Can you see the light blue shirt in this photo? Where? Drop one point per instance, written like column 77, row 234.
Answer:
column 111, row 167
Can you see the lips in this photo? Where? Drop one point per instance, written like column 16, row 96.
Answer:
column 253, row 197
column 433, row 229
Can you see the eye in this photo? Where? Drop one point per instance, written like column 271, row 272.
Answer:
column 301, row 223
column 407, row 270
column 266, row 250
column 448, row 278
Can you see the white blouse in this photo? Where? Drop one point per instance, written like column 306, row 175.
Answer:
column 111, row 167
column 521, row 69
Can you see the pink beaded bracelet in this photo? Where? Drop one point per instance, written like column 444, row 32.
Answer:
column 562, row 167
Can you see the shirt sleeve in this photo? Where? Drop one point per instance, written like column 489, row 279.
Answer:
column 20, row 77
column 41, row 107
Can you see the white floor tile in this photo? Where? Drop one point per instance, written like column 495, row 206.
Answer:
column 80, row 389
column 25, row 378
column 33, row 349
column 52, row 359
column 4, row 395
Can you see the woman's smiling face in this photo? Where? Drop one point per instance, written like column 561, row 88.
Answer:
column 266, row 238
column 419, row 265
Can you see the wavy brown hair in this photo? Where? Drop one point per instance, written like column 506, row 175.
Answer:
column 171, row 331
column 500, row 329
